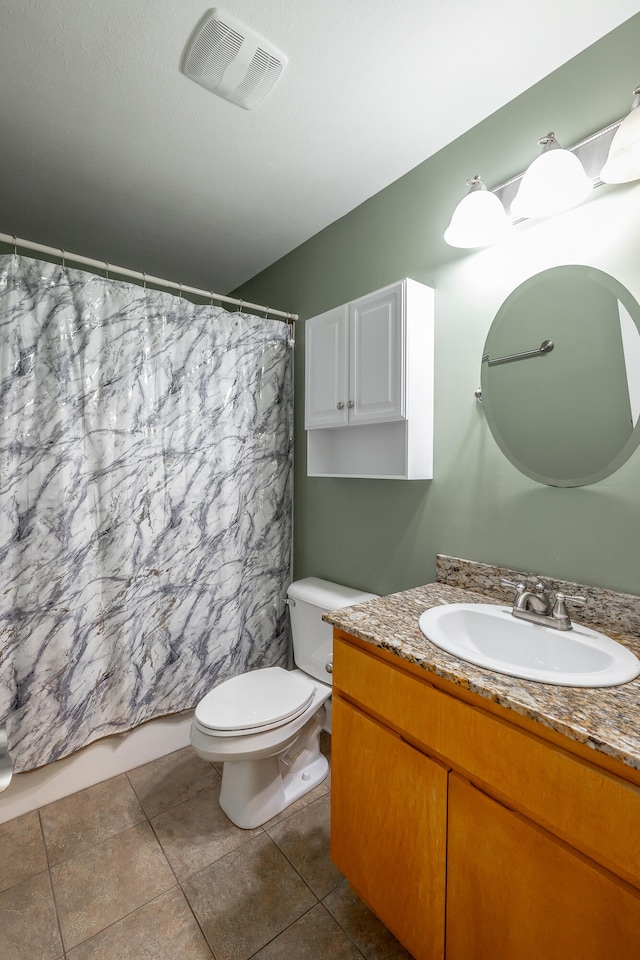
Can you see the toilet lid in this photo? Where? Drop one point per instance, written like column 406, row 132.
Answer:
column 261, row 698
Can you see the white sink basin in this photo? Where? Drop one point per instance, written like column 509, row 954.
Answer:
column 489, row 636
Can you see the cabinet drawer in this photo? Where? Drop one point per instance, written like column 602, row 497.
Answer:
column 594, row 811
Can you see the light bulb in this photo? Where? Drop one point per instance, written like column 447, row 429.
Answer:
column 479, row 219
column 554, row 182
column 623, row 162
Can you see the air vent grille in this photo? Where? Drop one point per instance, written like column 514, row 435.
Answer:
column 215, row 47
column 232, row 61
column 262, row 74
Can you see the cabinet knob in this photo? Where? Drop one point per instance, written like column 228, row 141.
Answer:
column 329, row 667
column 340, row 405
column 350, row 404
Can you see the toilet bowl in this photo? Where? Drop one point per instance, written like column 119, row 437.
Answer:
column 265, row 725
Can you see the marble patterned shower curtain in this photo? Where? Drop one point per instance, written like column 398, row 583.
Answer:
column 145, row 503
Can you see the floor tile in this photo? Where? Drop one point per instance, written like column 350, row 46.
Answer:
column 315, row 935
column 28, row 925
column 75, row 823
column 108, row 881
column 169, row 780
column 164, row 929
column 369, row 934
column 247, row 898
column 197, row 832
column 304, row 840
column 22, row 853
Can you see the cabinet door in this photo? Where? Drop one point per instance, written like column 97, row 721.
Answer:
column 388, row 828
column 376, row 357
column 516, row 893
column 326, row 345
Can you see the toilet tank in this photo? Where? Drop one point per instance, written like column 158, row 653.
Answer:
column 312, row 637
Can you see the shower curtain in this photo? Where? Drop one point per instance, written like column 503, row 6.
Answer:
column 145, row 503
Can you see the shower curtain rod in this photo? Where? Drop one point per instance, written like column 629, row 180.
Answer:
column 123, row 271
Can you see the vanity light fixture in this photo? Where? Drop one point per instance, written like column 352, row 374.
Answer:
column 554, row 182
column 479, row 219
column 623, row 162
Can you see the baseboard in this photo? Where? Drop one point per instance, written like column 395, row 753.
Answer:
column 100, row 761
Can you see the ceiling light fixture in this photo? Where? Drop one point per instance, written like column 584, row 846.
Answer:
column 623, row 162
column 479, row 219
column 554, row 182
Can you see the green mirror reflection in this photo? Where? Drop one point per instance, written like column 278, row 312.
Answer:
column 566, row 414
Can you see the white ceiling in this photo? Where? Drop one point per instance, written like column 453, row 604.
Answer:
column 108, row 150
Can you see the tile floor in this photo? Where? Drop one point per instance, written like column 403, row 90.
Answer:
column 147, row 867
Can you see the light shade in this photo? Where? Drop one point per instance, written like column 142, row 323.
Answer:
column 479, row 219
column 554, row 182
column 623, row 163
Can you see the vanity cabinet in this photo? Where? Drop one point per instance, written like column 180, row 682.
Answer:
column 369, row 385
column 542, row 855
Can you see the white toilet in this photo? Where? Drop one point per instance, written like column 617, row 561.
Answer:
column 265, row 725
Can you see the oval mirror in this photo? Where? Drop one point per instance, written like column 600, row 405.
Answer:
column 561, row 376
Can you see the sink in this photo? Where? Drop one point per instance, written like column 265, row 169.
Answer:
column 488, row 635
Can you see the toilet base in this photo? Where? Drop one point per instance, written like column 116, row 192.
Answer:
column 254, row 791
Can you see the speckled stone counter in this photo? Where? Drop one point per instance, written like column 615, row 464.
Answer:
column 606, row 719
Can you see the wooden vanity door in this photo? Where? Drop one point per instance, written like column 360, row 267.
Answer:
column 389, row 828
column 514, row 892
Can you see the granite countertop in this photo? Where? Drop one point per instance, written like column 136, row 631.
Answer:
column 606, row 719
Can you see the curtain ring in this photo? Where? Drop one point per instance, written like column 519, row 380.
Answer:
column 240, row 306
column 15, row 245
column 266, row 313
column 211, row 298
column 106, row 269
column 62, row 257
column 180, row 291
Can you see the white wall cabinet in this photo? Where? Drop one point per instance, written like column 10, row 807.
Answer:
column 369, row 386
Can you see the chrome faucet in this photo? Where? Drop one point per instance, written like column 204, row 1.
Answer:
column 532, row 602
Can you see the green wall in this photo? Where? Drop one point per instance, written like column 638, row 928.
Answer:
column 384, row 535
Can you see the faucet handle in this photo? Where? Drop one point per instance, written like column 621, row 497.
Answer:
column 560, row 612
column 518, row 587
column 579, row 601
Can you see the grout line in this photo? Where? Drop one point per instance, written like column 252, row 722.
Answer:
column 114, row 923
column 204, row 936
column 164, row 853
column 55, row 910
column 337, row 922
column 178, row 802
column 292, row 924
column 44, row 840
column 130, row 912
column 342, row 927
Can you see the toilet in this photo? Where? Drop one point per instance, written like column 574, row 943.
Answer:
column 264, row 726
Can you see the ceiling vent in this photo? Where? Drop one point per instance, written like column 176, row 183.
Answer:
column 232, row 61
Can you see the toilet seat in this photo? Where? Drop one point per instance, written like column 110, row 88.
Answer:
column 255, row 702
